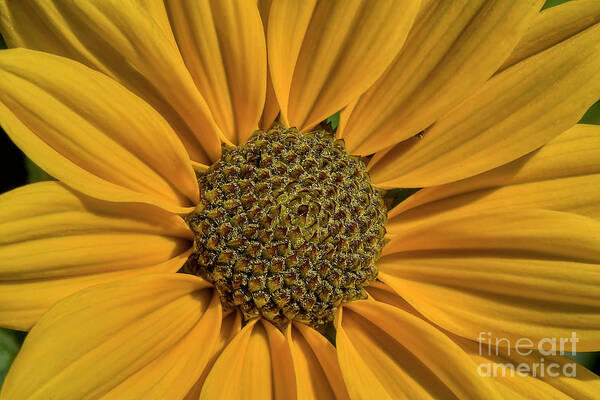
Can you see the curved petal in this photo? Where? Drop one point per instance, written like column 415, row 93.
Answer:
column 230, row 327
column 170, row 375
column 453, row 48
column 317, row 371
column 515, row 273
column 223, row 45
column 54, row 242
column 564, row 175
column 271, row 109
column 385, row 294
column 554, row 25
column 324, row 54
column 91, row 133
column 113, row 337
column 541, row 376
column 256, row 364
column 387, row 353
column 514, row 113
column 128, row 40
column 561, row 378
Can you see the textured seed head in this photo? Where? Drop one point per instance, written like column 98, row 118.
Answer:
column 288, row 227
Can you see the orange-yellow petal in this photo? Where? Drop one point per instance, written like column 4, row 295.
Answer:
column 271, row 110
column 515, row 273
column 564, row 175
column 230, row 327
column 318, row 374
column 500, row 364
column 223, row 45
column 170, row 375
column 554, row 25
column 514, row 113
column 256, row 364
column 452, row 50
column 88, row 131
column 130, row 41
column 111, row 336
column 549, row 376
column 387, row 353
column 54, row 241
column 324, row 54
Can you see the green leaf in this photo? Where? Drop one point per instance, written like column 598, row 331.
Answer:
column 10, row 342
column 592, row 116
column 587, row 359
column 334, row 120
column 396, row 196
column 35, row 173
column 552, row 3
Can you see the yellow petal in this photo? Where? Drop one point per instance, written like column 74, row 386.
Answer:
column 387, row 353
column 54, row 241
column 564, row 175
column 385, row 294
column 101, row 337
column 52, row 233
column 127, row 40
column 286, row 28
column 490, row 358
column 318, row 374
column 255, row 365
column 91, row 133
column 284, row 380
column 223, row 45
column 555, row 382
column 271, row 109
column 514, row 273
column 514, row 113
column 230, row 327
column 23, row 302
column 324, row 54
column 453, row 48
column 172, row 374
column 554, row 25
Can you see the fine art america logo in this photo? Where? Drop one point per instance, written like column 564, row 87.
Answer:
column 525, row 357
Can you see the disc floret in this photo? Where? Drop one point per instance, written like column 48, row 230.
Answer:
column 288, row 227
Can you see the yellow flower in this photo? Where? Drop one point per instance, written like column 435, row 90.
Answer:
column 125, row 102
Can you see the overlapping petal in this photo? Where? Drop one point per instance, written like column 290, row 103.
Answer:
column 515, row 112
column 324, row 54
column 271, row 110
column 230, row 327
column 549, row 377
column 387, row 353
column 88, row 131
column 316, row 366
column 223, row 45
column 453, row 48
column 54, row 241
column 115, row 338
column 564, row 175
column 256, row 364
column 130, row 41
column 515, row 273
column 554, row 25
column 504, row 365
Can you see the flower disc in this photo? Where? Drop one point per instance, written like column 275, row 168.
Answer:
column 288, row 228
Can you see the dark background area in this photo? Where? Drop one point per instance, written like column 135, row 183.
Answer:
column 14, row 173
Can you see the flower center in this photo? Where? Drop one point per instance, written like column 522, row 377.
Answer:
column 288, row 227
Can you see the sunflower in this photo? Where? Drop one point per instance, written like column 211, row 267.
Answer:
column 188, row 136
